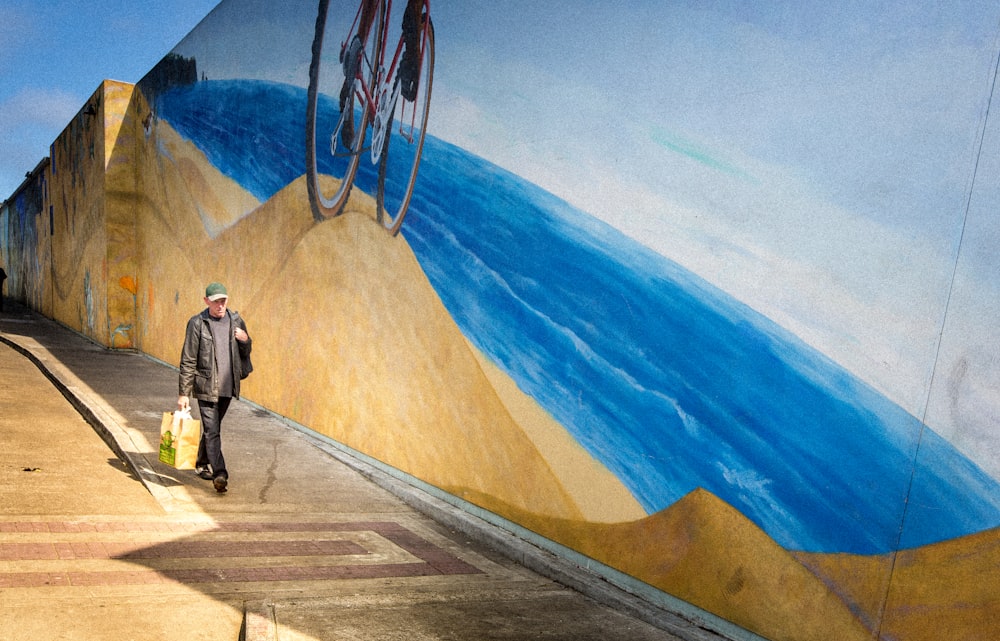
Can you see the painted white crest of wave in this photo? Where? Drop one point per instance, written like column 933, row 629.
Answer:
column 534, row 367
column 581, row 346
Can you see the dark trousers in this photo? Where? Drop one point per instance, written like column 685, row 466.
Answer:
column 210, row 447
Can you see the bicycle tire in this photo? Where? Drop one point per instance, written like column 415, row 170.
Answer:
column 342, row 164
column 391, row 216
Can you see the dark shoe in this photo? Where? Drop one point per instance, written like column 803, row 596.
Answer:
column 347, row 125
column 409, row 66
column 351, row 62
column 409, row 74
column 204, row 472
column 220, row 482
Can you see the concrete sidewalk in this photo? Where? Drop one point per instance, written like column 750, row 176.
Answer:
column 310, row 541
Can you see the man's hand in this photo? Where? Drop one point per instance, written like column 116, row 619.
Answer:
column 241, row 335
column 183, row 403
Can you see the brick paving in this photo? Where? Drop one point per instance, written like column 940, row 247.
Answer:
column 327, row 555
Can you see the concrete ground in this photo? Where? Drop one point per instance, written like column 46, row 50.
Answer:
column 99, row 540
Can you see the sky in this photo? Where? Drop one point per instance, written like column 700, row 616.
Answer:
column 55, row 53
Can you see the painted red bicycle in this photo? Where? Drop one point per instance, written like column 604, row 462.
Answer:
column 381, row 81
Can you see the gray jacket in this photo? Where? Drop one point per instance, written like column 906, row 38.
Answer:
column 199, row 378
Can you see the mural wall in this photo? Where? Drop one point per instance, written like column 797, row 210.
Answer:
column 705, row 293
column 25, row 251
column 89, row 221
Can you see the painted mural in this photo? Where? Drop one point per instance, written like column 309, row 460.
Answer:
column 704, row 291
column 25, row 251
column 87, row 222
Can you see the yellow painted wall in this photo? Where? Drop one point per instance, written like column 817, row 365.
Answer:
column 92, row 194
column 120, row 205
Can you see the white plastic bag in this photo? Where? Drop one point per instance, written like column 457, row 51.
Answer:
column 179, row 437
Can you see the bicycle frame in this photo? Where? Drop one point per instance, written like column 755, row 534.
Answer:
column 377, row 98
column 372, row 84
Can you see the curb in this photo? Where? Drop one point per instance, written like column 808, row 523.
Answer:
column 259, row 623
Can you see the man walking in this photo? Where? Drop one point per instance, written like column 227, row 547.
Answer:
column 215, row 357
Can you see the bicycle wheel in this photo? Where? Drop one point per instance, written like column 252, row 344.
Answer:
column 335, row 106
column 397, row 172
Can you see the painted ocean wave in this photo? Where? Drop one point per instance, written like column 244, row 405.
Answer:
column 672, row 384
